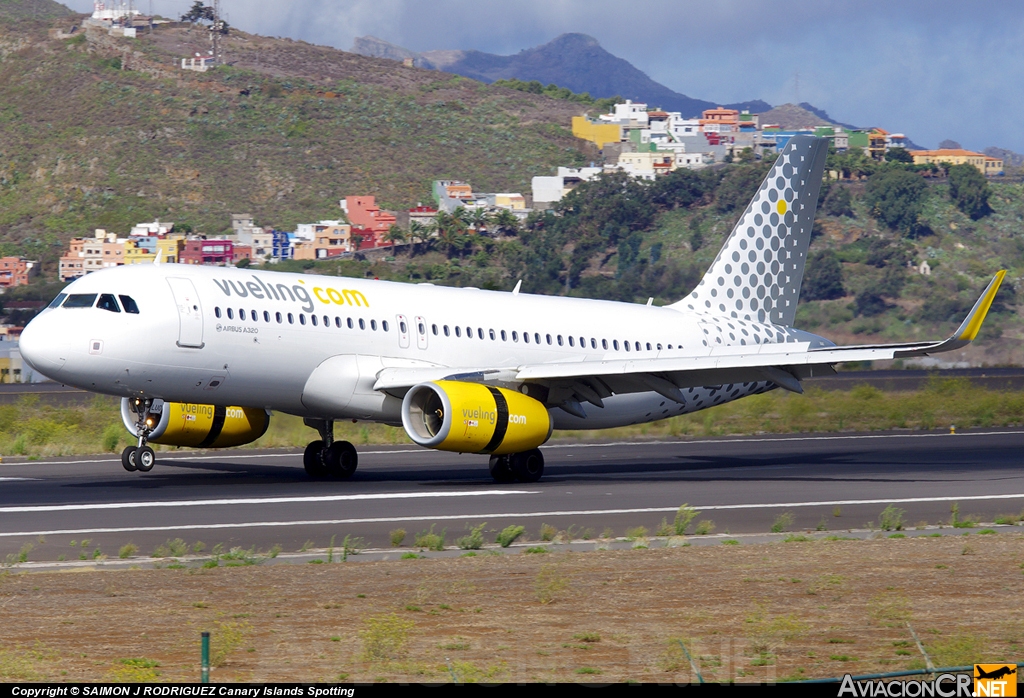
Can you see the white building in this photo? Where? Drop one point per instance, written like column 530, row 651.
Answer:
column 548, row 190
column 157, row 227
column 627, row 113
column 116, row 12
column 307, row 231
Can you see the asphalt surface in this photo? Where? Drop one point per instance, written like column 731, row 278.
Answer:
column 261, row 498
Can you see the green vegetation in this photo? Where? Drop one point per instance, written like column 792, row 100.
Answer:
column 385, row 637
column 969, row 190
column 430, row 540
column 508, row 535
column 891, row 518
column 551, row 90
column 474, row 540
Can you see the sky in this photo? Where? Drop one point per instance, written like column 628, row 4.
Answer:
column 932, row 69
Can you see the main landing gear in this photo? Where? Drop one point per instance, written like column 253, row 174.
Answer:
column 527, row 466
column 326, row 458
column 140, row 458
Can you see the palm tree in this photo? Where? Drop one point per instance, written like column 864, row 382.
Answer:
column 507, row 222
column 418, row 232
column 478, row 218
column 394, row 235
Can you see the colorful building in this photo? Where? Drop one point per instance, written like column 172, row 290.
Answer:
column 958, row 156
column 16, row 271
column 597, row 133
column 218, row 252
column 363, row 212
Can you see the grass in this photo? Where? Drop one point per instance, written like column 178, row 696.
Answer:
column 430, row 540
column 31, row 428
column 385, row 637
column 397, row 537
column 474, row 540
column 783, row 522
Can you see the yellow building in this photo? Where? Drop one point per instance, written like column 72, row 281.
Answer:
column 513, row 202
column 957, row 156
column 599, row 134
column 170, row 247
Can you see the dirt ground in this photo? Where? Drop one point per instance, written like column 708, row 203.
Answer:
column 777, row 611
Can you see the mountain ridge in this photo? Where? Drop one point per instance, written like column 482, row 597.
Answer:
column 572, row 60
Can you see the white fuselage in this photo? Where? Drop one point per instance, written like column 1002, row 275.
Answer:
column 227, row 336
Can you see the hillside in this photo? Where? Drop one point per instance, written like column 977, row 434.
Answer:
column 282, row 132
column 574, row 61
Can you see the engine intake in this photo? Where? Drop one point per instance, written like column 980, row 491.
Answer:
column 474, row 418
column 198, row 426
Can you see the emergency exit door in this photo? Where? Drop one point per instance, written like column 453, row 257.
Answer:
column 190, row 313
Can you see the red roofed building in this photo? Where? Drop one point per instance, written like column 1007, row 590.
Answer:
column 208, row 252
column 363, row 212
column 14, row 271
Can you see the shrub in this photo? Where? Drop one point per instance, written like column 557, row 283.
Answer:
column 385, row 637
column 397, row 536
column 548, row 532
column 636, row 533
column 224, row 639
column 969, row 190
column 838, row 202
column 112, row 437
column 783, row 522
column 823, row 280
column 896, row 198
column 508, row 535
column 430, row 540
column 684, row 516
column 891, row 519
column 549, row 584
column 474, row 540
column 127, row 550
column 172, row 548
column 704, row 527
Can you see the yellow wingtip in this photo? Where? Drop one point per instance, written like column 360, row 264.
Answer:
column 981, row 309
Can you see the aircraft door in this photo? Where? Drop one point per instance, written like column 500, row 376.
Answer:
column 403, row 331
column 421, row 332
column 190, row 313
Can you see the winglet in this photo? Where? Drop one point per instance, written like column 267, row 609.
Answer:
column 159, row 255
column 968, row 330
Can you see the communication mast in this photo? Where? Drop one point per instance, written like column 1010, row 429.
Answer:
column 215, row 28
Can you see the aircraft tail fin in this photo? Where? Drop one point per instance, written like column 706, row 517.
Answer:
column 757, row 274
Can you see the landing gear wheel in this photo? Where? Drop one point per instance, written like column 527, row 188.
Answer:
column 128, row 459
column 312, row 460
column 145, row 459
column 500, row 470
column 527, row 466
column 340, row 460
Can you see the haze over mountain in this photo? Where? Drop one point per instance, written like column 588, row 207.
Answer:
column 575, row 61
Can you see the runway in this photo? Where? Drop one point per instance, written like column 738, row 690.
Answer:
column 262, row 498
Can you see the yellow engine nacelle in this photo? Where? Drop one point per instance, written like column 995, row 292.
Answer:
column 199, row 426
column 474, row 418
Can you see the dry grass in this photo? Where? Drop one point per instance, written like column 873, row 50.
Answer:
column 746, row 613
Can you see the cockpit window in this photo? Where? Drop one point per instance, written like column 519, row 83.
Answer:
column 55, row 303
column 108, row 302
column 80, row 300
column 129, row 305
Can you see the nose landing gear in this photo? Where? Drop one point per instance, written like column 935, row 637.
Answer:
column 140, row 458
column 326, row 458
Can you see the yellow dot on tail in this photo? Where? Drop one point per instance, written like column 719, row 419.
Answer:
column 782, row 207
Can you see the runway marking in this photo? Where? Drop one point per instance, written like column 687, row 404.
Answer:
column 8, row 479
column 635, row 444
column 261, row 500
column 500, row 515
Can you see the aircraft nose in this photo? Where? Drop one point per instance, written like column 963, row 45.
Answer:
column 40, row 347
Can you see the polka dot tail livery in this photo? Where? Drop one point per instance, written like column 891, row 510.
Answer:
column 757, row 274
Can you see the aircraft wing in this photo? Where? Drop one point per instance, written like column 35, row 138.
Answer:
column 570, row 383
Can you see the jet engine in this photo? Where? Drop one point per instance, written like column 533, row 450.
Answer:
column 474, row 418
column 199, row 426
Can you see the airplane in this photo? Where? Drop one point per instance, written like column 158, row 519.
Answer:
column 200, row 356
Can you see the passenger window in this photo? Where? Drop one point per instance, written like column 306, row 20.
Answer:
column 433, row 328
column 373, row 325
column 231, row 314
column 480, row 332
column 446, row 332
column 469, row 333
column 421, row 327
column 536, row 337
column 583, row 342
column 266, row 316
column 241, row 314
column 626, row 345
column 384, row 325
column 108, row 302
column 648, row 346
column 80, row 300
column 593, row 343
column 515, row 336
column 55, row 303
column 337, row 322
column 216, row 312
column 638, row 346
column 350, row 324
column 526, row 337
column 669, row 346
column 362, row 325
column 129, row 305
column 302, row 319
column 277, row 316
column 490, row 333
column 313, row 319
column 572, row 342
column 659, row 347
column 548, row 337
column 560, row 340
column 458, row 331
column 291, row 319
column 504, row 337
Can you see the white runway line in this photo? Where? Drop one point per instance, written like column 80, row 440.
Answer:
column 3, row 479
column 635, row 444
column 260, row 500
column 484, row 517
